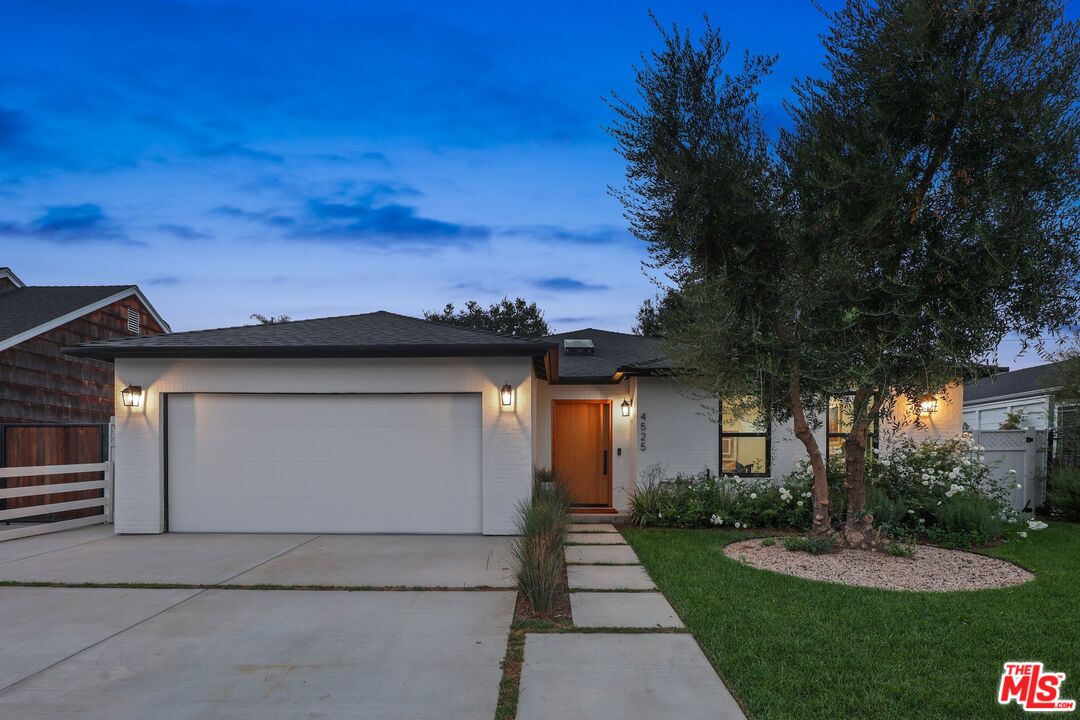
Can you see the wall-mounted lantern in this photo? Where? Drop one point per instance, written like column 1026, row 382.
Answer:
column 506, row 395
column 132, row 396
column 928, row 405
column 626, row 405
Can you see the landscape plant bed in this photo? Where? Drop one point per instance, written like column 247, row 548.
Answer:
column 523, row 610
column 932, row 569
column 796, row 649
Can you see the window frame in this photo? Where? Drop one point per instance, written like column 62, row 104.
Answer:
column 766, row 433
column 875, row 430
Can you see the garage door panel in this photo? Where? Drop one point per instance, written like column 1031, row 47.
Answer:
column 279, row 443
column 438, row 515
column 211, row 481
column 324, row 463
column 370, row 410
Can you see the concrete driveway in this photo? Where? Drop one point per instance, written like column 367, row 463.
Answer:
column 227, row 652
column 95, row 555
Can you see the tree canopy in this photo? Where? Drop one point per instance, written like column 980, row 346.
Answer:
column 516, row 317
column 921, row 207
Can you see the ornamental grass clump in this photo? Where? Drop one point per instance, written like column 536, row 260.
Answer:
column 538, row 549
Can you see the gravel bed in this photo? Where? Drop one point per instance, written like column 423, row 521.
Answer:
column 932, row 569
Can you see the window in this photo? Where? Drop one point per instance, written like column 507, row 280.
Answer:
column 744, row 442
column 838, row 425
column 133, row 321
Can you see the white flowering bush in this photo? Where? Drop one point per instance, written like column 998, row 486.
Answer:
column 939, row 489
column 706, row 500
column 942, row 490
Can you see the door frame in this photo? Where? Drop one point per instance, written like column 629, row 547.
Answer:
column 610, row 450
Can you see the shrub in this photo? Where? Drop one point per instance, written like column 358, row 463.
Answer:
column 705, row 500
column 912, row 490
column 768, row 542
column 538, row 549
column 966, row 520
column 1063, row 492
column 906, row 550
column 813, row 544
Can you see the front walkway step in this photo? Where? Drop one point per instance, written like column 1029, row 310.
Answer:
column 623, row 610
column 608, row 577
column 598, row 676
column 601, row 555
column 592, row 528
column 595, row 539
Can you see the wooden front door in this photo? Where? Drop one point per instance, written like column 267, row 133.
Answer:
column 581, row 449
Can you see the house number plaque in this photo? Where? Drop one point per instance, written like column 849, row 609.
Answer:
column 641, row 431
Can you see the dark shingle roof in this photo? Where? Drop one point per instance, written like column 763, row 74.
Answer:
column 615, row 352
column 26, row 308
column 1037, row 379
column 377, row 334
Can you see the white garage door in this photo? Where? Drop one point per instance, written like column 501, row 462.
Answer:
column 324, row 463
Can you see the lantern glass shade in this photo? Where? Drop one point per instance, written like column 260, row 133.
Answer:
column 132, row 396
column 928, row 405
column 506, row 393
column 625, row 408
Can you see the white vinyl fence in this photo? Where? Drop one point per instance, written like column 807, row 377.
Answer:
column 1024, row 451
column 24, row 530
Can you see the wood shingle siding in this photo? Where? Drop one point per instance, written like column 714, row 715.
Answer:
column 40, row 384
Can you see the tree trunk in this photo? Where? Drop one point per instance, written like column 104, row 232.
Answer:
column 858, row 528
column 821, row 523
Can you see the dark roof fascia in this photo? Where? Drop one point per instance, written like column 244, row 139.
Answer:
column 105, row 352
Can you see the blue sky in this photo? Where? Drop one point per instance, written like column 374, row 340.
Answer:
column 327, row 158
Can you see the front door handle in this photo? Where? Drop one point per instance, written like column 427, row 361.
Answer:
column 605, row 462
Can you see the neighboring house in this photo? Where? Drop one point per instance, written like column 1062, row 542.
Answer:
column 40, row 384
column 386, row 423
column 1028, row 392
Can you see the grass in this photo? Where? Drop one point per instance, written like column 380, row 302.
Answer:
column 799, row 649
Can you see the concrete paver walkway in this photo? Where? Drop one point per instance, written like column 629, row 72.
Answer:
column 592, row 538
column 609, row 577
column 623, row 610
column 632, row 676
column 601, row 555
column 599, row 676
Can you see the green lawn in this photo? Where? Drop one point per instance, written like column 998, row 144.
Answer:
column 792, row 648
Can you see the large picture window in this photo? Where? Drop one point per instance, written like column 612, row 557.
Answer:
column 838, row 426
column 744, row 443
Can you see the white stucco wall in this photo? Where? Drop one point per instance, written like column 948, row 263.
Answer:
column 681, row 431
column 507, row 447
column 624, row 467
column 946, row 422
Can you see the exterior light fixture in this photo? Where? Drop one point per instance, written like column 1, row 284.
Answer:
column 132, row 396
column 506, row 394
column 928, row 405
column 626, row 405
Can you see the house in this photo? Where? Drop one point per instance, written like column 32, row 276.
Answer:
column 1027, row 393
column 40, row 383
column 386, row 423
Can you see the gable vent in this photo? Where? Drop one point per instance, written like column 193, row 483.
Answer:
column 133, row 321
column 578, row 346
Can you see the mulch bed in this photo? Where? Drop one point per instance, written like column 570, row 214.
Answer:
column 933, row 569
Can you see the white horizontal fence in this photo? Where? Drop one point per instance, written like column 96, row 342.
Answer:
column 1023, row 451
column 105, row 501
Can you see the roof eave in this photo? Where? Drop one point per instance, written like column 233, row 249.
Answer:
column 105, row 352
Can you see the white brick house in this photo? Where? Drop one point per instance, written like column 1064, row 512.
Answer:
column 385, row 423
